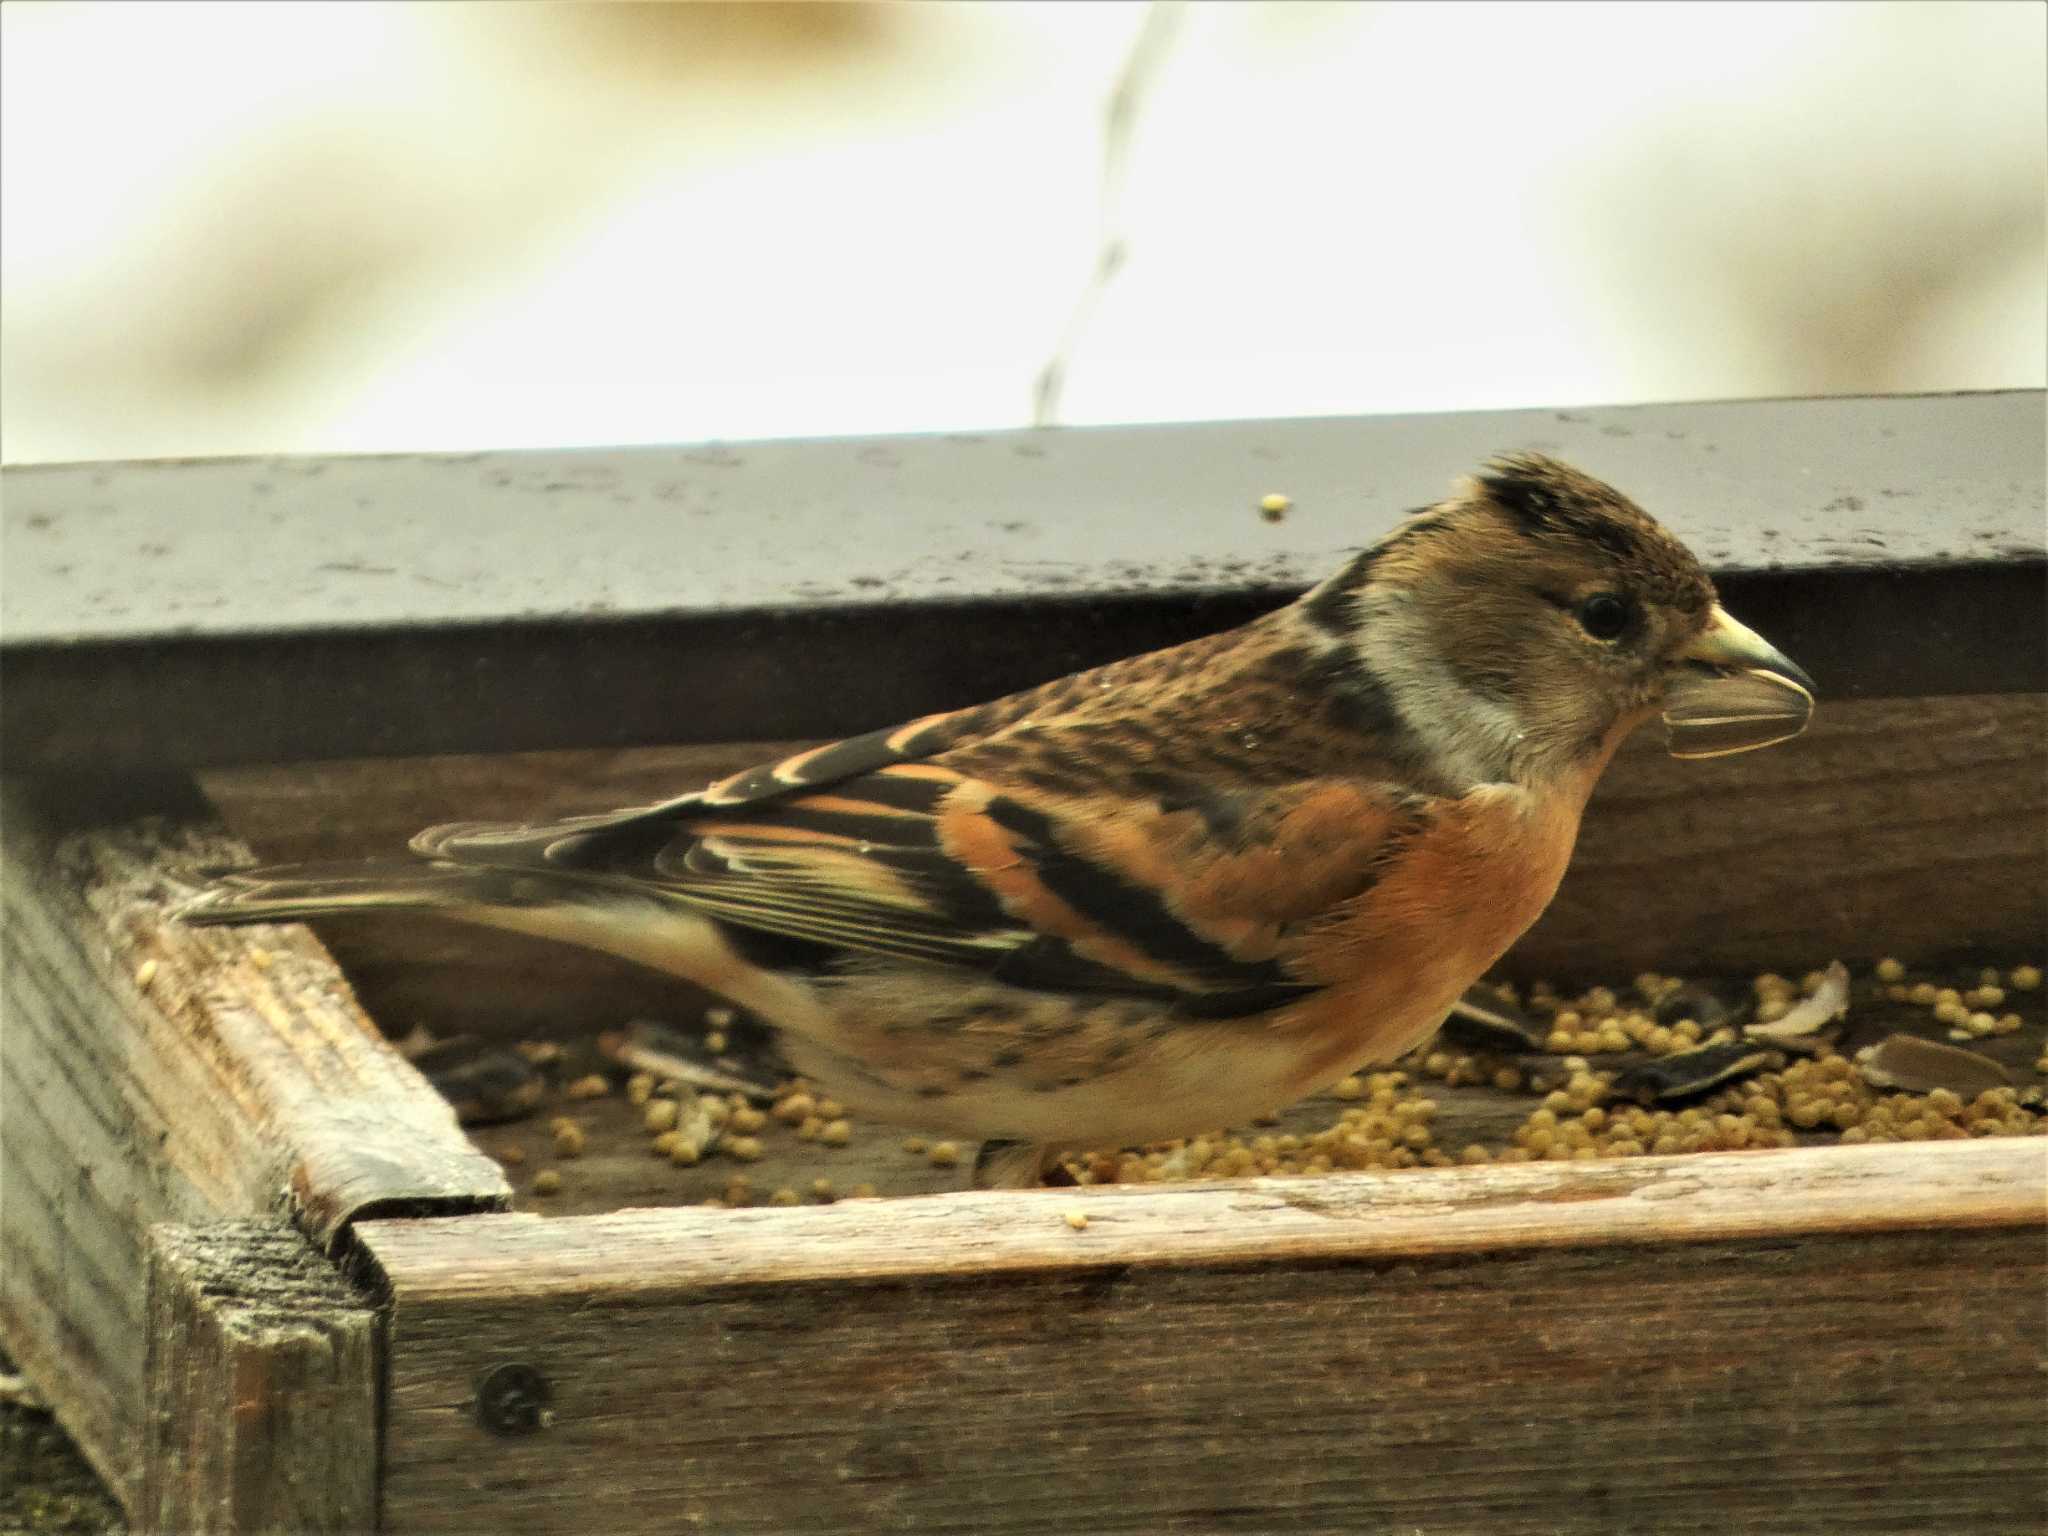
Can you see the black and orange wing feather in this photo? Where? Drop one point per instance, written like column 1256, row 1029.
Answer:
column 914, row 861
column 558, row 842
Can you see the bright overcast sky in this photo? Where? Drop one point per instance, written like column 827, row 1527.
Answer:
column 357, row 227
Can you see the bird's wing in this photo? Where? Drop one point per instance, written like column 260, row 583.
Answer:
column 921, row 862
column 503, row 842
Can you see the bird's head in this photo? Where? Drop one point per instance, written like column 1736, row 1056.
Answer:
column 1532, row 620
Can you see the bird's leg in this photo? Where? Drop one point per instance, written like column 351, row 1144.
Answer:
column 1011, row 1165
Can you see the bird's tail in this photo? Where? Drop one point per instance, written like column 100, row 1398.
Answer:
column 289, row 893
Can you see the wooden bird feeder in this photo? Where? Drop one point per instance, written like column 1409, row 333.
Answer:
column 270, row 1284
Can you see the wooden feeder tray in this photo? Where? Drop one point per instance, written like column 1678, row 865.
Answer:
column 270, row 1284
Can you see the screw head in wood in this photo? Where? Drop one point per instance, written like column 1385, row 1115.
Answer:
column 514, row 1399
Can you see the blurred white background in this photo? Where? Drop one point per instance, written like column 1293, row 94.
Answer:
column 311, row 227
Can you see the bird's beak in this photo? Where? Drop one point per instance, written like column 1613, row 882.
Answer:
column 1733, row 691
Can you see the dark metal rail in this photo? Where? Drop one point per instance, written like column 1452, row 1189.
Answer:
column 166, row 615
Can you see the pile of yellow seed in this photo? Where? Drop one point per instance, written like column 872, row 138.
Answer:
column 1387, row 1120
column 1968, row 1014
column 1388, row 1128
column 1810, row 1098
column 1945, row 1116
column 1598, row 1021
column 1818, row 1095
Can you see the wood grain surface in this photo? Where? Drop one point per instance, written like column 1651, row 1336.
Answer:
column 156, row 1073
column 162, row 1074
column 1915, row 827
column 1817, row 1340
column 263, row 1386
column 1908, row 827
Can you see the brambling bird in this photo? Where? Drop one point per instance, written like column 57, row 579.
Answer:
column 1172, row 893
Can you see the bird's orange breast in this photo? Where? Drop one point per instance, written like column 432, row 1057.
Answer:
column 1395, row 958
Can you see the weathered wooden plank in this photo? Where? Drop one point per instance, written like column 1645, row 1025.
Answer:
column 152, row 1073
column 311, row 1107
column 1825, row 847
column 1758, row 1195
column 263, row 1386
column 1669, row 1344
column 1911, row 827
column 360, row 807
column 450, row 978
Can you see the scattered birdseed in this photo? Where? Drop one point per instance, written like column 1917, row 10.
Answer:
column 592, row 1086
column 1791, row 1057
column 145, row 973
column 261, row 958
column 1273, row 506
column 785, row 1197
column 547, row 1182
column 719, row 1018
column 2024, row 978
column 661, row 1115
column 1078, row 1220
column 649, row 1046
column 715, row 1042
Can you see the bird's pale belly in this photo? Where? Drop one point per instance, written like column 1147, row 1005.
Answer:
column 1057, row 1072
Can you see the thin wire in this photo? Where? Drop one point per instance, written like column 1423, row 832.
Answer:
column 1134, row 85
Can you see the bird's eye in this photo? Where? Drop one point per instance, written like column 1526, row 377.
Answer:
column 1604, row 616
